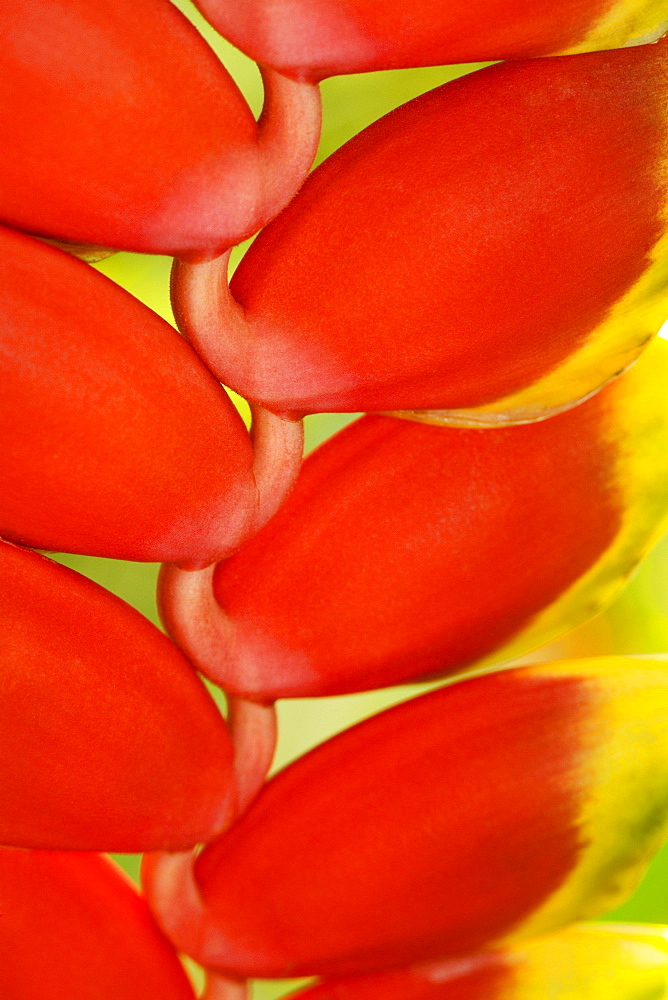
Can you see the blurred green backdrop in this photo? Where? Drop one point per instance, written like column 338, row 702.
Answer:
column 636, row 623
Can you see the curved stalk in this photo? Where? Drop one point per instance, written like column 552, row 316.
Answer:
column 208, row 315
column 253, row 729
column 168, row 881
column 288, row 137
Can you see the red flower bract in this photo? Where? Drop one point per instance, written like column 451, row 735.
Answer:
column 407, row 550
column 496, row 248
column 147, row 144
column 319, row 38
column 108, row 740
column 72, row 928
column 116, row 439
column 494, row 810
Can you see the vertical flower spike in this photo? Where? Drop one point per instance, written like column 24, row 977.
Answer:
column 580, row 962
column 72, row 928
column 476, row 816
column 408, row 551
column 496, row 248
column 116, row 439
column 108, row 739
column 313, row 39
column 148, row 144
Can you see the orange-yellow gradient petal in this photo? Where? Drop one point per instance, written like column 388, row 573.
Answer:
column 624, row 815
column 587, row 962
column 492, row 811
column 638, row 420
column 624, row 22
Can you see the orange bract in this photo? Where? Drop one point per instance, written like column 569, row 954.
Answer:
column 72, row 928
column 408, row 551
column 486, row 813
column 319, row 38
column 116, row 439
column 495, row 249
column 109, row 741
column 147, row 143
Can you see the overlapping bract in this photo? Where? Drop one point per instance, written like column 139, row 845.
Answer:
column 588, row 962
column 116, row 439
column 408, row 551
column 494, row 810
column 320, row 38
column 147, row 143
column 72, row 928
column 109, row 739
column 470, row 827
column 496, row 248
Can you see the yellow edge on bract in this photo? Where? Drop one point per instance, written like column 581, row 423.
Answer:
column 590, row 962
column 84, row 251
column 637, row 424
column 610, row 349
column 628, row 22
column 622, row 778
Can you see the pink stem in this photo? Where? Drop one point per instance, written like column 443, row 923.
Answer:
column 168, row 881
column 187, row 604
column 278, row 444
column 214, row 323
column 195, row 620
column 289, row 133
column 288, row 136
column 211, row 319
column 253, row 730
column 203, row 630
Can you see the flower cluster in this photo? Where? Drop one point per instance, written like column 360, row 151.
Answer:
column 483, row 272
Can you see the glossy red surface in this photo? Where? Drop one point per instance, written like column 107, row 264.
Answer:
column 72, row 928
column 319, row 38
column 463, row 246
column 116, row 439
column 476, row 978
column 407, row 550
column 146, row 142
column 427, row 831
column 109, row 741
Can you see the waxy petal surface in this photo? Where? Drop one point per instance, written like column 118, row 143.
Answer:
column 73, row 928
column 147, row 142
column 479, row 815
column 108, row 739
column 408, row 551
column 320, row 38
column 496, row 248
column 584, row 962
column 116, row 439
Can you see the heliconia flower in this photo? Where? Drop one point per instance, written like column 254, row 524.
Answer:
column 313, row 39
column 476, row 816
column 583, row 961
column 408, row 550
column 108, row 739
column 73, row 928
column 116, row 439
column 147, row 144
column 496, row 248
